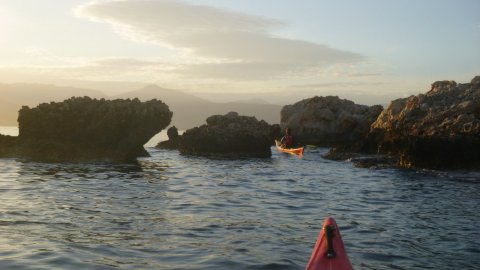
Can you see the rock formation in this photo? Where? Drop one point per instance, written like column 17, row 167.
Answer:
column 8, row 146
column 229, row 135
column 328, row 120
column 173, row 140
column 439, row 129
column 85, row 129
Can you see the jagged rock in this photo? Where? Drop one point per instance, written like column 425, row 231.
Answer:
column 439, row 129
column 85, row 129
column 475, row 81
column 328, row 120
column 230, row 135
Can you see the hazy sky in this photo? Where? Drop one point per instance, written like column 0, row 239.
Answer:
column 369, row 51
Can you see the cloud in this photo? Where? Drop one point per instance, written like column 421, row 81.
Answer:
column 102, row 69
column 236, row 71
column 117, row 69
column 170, row 22
column 229, row 45
column 336, row 85
column 173, row 15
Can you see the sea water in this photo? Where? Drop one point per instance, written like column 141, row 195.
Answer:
column 170, row 211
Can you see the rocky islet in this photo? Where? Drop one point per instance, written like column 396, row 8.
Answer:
column 438, row 129
column 328, row 121
column 84, row 129
column 231, row 135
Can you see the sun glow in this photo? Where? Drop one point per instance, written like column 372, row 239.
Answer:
column 5, row 22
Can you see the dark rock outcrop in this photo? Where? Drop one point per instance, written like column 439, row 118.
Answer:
column 85, row 129
column 439, row 129
column 8, row 146
column 275, row 133
column 229, row 135
column 328, row 120
column 173, row 140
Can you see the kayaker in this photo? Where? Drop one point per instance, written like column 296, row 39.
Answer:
column 287, row 140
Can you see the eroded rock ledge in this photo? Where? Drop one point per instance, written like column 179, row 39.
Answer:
column 84, row 129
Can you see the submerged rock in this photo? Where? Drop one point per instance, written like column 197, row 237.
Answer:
column 328, row 120
column 229, row 135
column 439, row 129
column 85, row 129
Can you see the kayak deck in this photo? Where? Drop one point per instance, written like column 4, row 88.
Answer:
column 329, row 252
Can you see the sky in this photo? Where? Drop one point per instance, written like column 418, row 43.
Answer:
column 369, row 51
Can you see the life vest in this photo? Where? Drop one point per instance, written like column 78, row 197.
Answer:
column 287, row 140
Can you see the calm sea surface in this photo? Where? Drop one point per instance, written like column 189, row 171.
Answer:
column 181, row 212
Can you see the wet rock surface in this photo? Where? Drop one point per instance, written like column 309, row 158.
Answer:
column 85, row 129
column 328, row 121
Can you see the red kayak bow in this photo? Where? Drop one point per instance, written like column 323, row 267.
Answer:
column 329, row 252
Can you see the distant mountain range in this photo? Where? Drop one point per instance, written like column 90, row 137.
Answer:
column 14, row 96
column 188, row 110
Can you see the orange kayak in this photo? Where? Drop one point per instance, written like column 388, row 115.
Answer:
column 329, row 252
column 293, row 151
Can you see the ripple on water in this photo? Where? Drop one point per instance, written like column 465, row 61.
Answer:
column 178, row 212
